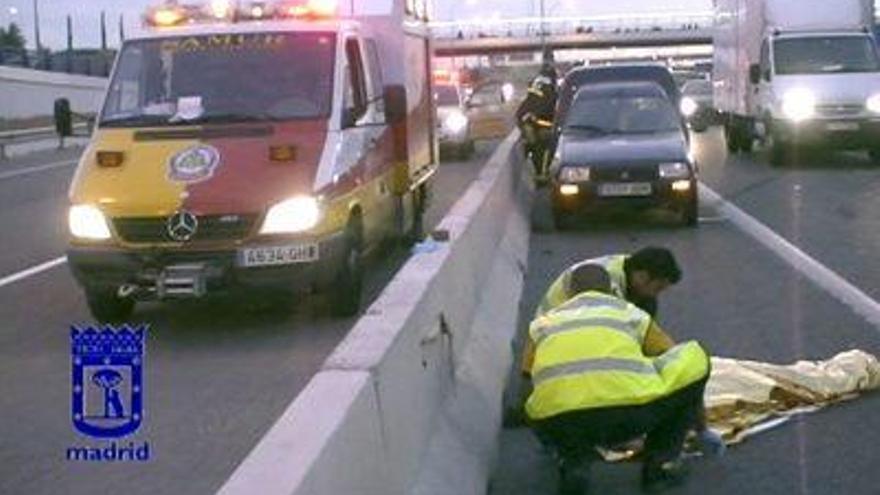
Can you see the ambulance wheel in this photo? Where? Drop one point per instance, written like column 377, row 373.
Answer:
column 416, row 230
column 107, row 307
column 690, row 215
column 347, row 287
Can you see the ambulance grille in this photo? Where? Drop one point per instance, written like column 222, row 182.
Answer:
column 210, row 228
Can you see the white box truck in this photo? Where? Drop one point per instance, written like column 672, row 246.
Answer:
column 791, row 72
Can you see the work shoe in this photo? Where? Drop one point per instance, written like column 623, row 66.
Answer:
column 657, row 477
column 574, row 478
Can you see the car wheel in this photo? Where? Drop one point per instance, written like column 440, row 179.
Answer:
column 347, row 287
column 107, row 307
column 690, row 215
column 562, row 220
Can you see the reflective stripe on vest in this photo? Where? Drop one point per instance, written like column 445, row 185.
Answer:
column 593, row 365
column 630, row 328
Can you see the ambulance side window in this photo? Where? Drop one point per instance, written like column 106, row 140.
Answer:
column 356, row 93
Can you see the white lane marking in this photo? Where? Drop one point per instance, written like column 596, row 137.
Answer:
column 821, row 275
column 33, row 170
column 42, row 267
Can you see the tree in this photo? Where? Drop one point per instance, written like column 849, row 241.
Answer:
column 12, row 37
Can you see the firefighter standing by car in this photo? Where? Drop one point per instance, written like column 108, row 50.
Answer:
column 535, row 117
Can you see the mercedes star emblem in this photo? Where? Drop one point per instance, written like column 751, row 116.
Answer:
column 182, row 226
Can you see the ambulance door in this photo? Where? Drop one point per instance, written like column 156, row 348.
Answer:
column 361, row 133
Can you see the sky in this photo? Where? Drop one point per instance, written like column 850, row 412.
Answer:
column 86, row 14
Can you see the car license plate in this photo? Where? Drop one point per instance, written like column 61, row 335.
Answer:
column 843, row 126
column 625, row 189
column 278, row 255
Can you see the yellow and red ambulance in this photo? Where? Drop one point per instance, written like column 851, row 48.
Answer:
column 248, row 146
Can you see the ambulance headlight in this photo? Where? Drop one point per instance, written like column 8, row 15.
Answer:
column 293, row 215
column 88, row 222
column 873, row 104
column 799, row 104
column 455, row 122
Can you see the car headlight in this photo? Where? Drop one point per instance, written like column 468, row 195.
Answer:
column 455, row 122
column 674, row 170
column 688, row 106
column 873, row 104
column 88, row 222
column 292, row 215
column 574, row 174
column 799, row 104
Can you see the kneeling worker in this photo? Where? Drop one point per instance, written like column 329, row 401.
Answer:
column 638, row 277
column 604, row 373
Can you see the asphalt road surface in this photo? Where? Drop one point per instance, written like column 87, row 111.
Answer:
column 218, row 373
column 742, row 300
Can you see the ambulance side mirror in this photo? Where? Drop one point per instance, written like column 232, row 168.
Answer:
column 395, row 104
column 63, row 117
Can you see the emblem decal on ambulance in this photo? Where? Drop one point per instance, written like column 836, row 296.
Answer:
column 196, row 164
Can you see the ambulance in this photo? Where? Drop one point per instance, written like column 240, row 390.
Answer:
column 262, row 147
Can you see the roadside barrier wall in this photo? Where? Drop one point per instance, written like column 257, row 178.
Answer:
column 26, row 93
column 410, row 401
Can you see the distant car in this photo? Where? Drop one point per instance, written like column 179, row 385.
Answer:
column 491, row 110
column 697, row 104
column 622, row 145
column 453, row 124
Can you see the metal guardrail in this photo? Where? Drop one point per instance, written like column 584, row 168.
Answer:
column 8, row 138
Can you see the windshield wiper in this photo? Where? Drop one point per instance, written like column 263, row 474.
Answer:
column 216, row 118
column 134, row 120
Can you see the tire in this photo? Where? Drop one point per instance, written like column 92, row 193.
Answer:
column 690, row 215
column 874, row 155
column 344, row 293
column 732, row 139
column 107, row 307
column 778, row 150
column 416, row 231
column 562, row 221
column 739, row 136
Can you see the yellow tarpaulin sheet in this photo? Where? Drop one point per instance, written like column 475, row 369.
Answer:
column 745, row 397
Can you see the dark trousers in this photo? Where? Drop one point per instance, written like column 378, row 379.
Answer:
column 665, row 422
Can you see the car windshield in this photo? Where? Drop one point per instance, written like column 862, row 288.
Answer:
column 226, row 78
column 622, row 114
column 446, row 96
column 697, row 88
column 825, row 55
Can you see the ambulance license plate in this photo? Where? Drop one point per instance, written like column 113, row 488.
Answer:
column 625, row 189
column 278, row 255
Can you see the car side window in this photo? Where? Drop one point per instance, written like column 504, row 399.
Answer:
column 356, row 92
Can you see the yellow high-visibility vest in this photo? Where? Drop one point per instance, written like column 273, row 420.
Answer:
column 558, row 291
column 588, row 354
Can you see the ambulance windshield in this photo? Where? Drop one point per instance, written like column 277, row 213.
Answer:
column 221, row 78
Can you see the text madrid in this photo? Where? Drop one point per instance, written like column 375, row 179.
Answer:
column 111, row 453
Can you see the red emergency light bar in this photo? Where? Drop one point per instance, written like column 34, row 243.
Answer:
column 174, row 13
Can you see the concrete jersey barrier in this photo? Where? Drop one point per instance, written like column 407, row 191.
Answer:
column 26, row 93
column 414, row 391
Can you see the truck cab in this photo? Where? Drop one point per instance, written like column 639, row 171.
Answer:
column 262, row 148
column 818, row 86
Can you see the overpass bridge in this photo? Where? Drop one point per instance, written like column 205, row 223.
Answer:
column 529, row 34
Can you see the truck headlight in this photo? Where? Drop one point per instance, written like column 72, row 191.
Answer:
column 88, row 222
column 873, row 104
column 674, row 170
column 799, row 104
column 292, row 215
column 574, row 174
column 688, row 106
column 455, row 122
